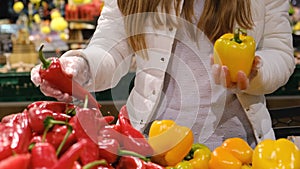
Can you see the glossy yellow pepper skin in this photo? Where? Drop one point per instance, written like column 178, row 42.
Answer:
column 170, row 142
column 234, row 153
column 236, row 51
column 239, row 148
column 276, row 154
column 201, row 158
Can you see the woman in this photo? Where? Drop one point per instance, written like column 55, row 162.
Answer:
column 175, row 79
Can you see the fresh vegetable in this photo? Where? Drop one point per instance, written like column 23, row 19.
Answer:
column 87, row 123
column 18, row 161
column 43, row 155
column 36, row 117
column 223, row 159
column 57, row 135
column 129, row 162
column 49, row 122
column 184, row 165
column 15, row 135
column 133, row 140
column 280, row 153
column 236, row 51
column 66, row 161
column 108, row 149
column 168, row 152
column 232, row 154
column 55, row 106
column 52, row 71
column 201, row 157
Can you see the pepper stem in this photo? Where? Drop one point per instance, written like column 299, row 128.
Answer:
column 45, row 62
column 86, row 100
column 236, row 34
column 134, row 154
column 49, row 122
column 94, row 163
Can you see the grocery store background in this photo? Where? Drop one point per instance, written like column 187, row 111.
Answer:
column 68, row 24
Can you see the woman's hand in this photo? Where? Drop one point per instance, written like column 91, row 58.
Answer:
column 75, row 66
column 221, row 75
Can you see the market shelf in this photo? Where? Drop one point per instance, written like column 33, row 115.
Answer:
column 286, row 121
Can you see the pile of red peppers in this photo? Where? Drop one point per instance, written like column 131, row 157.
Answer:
column 59, row 135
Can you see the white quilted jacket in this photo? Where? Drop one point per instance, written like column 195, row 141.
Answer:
column 109, row 59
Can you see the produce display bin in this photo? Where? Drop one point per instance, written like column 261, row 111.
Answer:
column 18, row 87
column 286, row 121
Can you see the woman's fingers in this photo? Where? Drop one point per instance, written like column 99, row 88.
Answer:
column 47, row 90
column 242, row 81
column 225, row 77
column 216, row 72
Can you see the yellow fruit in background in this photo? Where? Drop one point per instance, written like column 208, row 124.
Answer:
column 37, row 18
column 297, row 26
column 64, row 36
column 35, row 1
column 58, row 24
column 18, row 7
column 78, row 1
column 45, row 29
column 55, row 14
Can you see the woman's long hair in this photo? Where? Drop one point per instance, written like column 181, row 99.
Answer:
column 218, row 17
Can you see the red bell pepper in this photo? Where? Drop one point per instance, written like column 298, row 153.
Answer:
column 43, row 156
column 57, row 135
column 108, row 150
column 133, row 139
column 87, row 124
column 36, row 117
column 18, row 161
column 77, row 165
column 130, row 162
column 66, row 161
column 52, row 71
column 57, row 107
column 90, row 153
column 49, row 122
column 15, row 135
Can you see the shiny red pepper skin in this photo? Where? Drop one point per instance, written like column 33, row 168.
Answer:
column 43, row 156
column 90, row 153
column 87, row 124
column 19, row 161
column 108, row 149
column 76, row 165
column 36, row 117
column 15, row 135
column 66, row 161
column 129, row 162
column 133, row 140
column 52, row 71
column 57, row 134
column 55, row 106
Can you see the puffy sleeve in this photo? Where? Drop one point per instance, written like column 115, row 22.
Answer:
column 275, row 48
column 108, row 53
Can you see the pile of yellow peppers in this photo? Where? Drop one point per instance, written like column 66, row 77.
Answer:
column 175, row 149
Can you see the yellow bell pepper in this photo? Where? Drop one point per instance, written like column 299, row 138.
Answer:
column 234, row 153
column 170, row 142
column 236, row 51
column 276, row 154
column 201, row 158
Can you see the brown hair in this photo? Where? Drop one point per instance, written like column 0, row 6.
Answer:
column 219, row 17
